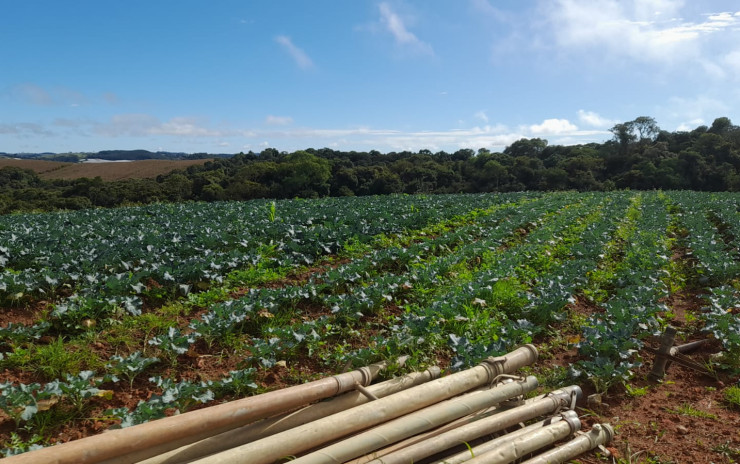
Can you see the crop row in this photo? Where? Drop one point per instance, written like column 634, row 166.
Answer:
column 485, row 274
column 630, row 286
column 365, row 290
column 712, row 232
column 129, row 251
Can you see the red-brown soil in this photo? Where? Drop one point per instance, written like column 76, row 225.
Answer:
column 650, row 419
column 657, row 422
column 106, row 171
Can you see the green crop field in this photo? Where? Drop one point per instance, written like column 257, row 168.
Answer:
column 116, row 317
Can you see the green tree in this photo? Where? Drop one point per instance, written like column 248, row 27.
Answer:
column 532, row 148
column 304, row 175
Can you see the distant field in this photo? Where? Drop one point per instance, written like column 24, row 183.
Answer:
column 107, row 171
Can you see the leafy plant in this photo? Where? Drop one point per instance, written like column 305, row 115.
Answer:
column 21, row 402
column 131, row 366
column 179, row 396
column 174, row 342
column 17, row 445
column 78, row 388
column 240, row 382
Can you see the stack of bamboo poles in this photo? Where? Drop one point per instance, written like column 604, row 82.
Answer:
column 474, row 416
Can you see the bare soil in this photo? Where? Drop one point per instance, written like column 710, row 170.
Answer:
column 683, row 419
column 107, row 171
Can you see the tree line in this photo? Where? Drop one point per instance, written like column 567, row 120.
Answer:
column 639, row 156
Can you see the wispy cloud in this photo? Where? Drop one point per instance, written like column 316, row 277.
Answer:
column 271, row 120
column 690, row 125
column 110, row 98
column 182, row 126
column 25, row 129
column 642, row 30
column 33, row 94
column 198, row 132
column 299, row 56
column 402, row 36
column 30, row 93
column 485, row 7
column 592, row 119
column 482, row 116
column 138, row 125
column 495, row 137
column 690, row 112
column 553, row 127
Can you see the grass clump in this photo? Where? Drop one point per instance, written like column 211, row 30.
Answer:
column 732, row 396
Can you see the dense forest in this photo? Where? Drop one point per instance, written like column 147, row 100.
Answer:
column 639, row 156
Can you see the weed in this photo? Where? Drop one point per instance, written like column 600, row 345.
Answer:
column 732, row 396
column 733, row 454
column 687, row 410
column 17, row 445
column 552, row 377
column 58, row 358
column 638, row 457
column 45, row 422
column 657, row 430
column 272, row 212
column 636, row 392
column 212, row 295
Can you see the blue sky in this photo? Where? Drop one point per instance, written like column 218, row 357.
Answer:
column 226, row 76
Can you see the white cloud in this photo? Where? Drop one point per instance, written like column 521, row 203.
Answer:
column 33, row 94
column 641, row 30
column 127, row 124
column 110, row 98
column 138, row 125
column 482, row 116
column 278, row 120
column 592, row 119
column 299, row 56
column 681, row 110
column 691, row 125
column 483, row 6
column 553, row 127
column 190, row 132
column 25, row 129
column 494, row 137
column 732, row 63
column 403, row 37
column 689, row 112
column 184, row 127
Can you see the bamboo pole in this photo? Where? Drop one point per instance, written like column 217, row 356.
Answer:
column 470, row 453
column 175, row 431
column 600, row 434
column 273, row 425
column 478, row 415
column 417, row 422
column 521, row 446
column 317, row 433
column 466, row 433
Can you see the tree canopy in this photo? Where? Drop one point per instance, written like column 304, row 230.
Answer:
column 639, row 156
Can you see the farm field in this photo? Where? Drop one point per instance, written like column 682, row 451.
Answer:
column 116, row 317
column 109, row 171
